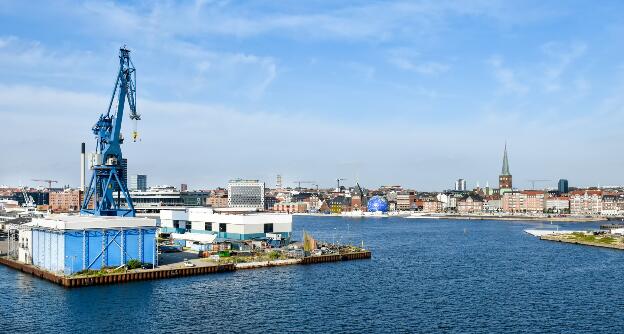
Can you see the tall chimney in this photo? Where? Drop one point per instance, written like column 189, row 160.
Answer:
column 82, row 168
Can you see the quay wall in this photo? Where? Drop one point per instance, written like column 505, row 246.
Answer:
column 71, row 282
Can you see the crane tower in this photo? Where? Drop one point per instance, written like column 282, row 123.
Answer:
column 107, row 161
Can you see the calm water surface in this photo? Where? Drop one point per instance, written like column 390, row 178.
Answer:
column 425, row 276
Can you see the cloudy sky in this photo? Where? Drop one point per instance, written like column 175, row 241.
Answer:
column 385, row 92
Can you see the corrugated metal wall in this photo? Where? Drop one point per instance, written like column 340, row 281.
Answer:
column 48, row 250
column 73, row 251
column 111, row 248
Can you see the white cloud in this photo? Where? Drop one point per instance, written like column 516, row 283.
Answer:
column 204, row 144
column 561, row 57
column 22, row 60
column 207, row 144
column 237, row 75
column 506, row 77
column 376, row 21
column 409, row 60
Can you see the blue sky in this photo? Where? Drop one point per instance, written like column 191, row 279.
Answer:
column 385, row 92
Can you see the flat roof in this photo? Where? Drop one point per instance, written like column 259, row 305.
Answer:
column 75, row 222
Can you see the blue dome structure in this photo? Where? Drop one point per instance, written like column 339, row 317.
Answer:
column 377, row 204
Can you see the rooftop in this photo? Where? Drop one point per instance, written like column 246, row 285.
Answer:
column 75, row 222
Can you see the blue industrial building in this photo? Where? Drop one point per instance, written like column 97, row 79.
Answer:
column 69, row 244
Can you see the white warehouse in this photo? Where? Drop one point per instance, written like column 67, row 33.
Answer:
column 205, row 225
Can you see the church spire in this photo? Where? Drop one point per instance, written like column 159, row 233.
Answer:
column 505, row 170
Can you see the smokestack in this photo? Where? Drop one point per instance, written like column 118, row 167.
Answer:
column 82, row 168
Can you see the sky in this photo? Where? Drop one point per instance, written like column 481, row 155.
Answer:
column 416, row 93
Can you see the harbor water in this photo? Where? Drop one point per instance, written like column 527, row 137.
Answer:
column 426, row 275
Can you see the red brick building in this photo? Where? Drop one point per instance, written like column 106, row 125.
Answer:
column 68, row 200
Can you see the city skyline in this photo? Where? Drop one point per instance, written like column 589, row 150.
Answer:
column 417, row 94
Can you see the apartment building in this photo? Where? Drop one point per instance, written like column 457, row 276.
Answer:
column 68, row 200
column 470, row 204
column 432, row 206
column 586, row 202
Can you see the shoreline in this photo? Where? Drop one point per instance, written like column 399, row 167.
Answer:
column 558, row 238
column 568, row 219
column 530, row 218
column 160, row 273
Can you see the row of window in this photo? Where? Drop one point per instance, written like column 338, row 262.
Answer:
column 268, row 228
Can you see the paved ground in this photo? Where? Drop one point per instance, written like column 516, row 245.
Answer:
column 176, row 260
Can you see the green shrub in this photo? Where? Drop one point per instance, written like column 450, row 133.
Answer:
column 274, row 255
column 134, row 264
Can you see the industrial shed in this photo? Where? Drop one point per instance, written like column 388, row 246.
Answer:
column 69, row 244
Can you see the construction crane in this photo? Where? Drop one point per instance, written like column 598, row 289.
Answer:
column 108, row 167
column 29, row 202
column 300, row 182
column 49, row 182
column 338, row 182
column 533, row 181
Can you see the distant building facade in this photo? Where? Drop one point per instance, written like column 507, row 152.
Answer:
column 138, row 182
column 406, row 201
column 217, row 200
column 269, row 202
column 290, row 207
column 609, row 205
column 339, row 204
column 558, row 204
column 460, row 185
column 563, row 186
column 68, row 200
column 513, row 201
column 492, row 204
column 246, row 194
column 470, row 204
column 588, row 202
column 534, row 201
column 432, row 206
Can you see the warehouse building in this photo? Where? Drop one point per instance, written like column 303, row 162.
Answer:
column 207, row 226
column 68, row 244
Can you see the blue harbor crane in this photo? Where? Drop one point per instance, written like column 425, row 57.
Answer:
column 108, row 165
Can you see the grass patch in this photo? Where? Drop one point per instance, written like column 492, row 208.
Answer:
column 100, row 272
column 270, row 256
column 582, row 237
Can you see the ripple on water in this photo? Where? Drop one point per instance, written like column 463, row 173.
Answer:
column 425, row 276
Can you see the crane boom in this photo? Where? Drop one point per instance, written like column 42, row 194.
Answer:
column 108, row 169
